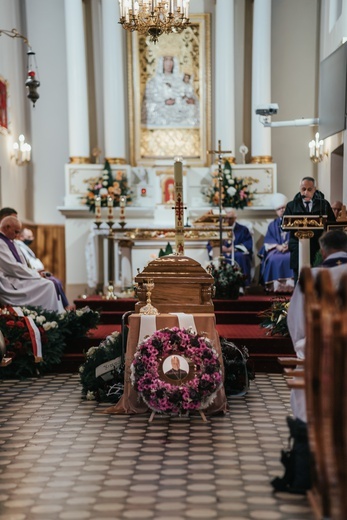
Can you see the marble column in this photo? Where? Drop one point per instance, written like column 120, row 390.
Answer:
column 261, row 79
column 79, row 149
column 113, row 83
column 225, row 76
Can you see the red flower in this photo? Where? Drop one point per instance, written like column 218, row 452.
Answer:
column 26, row 336
column 10, row 323
column 20, row 324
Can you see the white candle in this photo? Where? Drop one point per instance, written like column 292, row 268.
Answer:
column 98, row 208
column 232, row 250
column 110, row 208
column 122, row 202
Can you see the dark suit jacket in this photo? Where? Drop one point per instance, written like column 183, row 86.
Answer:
column 320, row 206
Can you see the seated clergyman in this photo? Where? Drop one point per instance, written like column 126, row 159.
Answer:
column 243, row 246
column 26, row 238
column 19, row 284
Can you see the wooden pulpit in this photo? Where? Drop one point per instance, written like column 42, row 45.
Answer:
column 303, row 227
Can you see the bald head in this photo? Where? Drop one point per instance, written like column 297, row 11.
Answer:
column 10, row 227
column 336, row 207
column 231, row 216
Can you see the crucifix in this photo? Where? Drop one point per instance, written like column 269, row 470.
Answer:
column 179, row 207
column 219, row 154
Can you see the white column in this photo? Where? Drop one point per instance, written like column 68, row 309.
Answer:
column 261, row 78
column 113, row 83
column 225, row 84
column 77, row 83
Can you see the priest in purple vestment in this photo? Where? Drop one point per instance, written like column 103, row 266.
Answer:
column 19, row 284
column 275, row 272
column 243, row 246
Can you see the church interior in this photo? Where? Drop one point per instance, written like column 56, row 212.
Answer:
column 151, row 170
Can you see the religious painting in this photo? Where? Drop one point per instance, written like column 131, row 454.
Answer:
column 3, row 106
column 170, row 95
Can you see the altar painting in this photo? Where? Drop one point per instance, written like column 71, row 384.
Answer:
column 170, row 94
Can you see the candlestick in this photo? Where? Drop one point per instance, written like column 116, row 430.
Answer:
column 110, row 208
column 98, row 209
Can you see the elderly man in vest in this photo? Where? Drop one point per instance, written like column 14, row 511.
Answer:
column 19, row 284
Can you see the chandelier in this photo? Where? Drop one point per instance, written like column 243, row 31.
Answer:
column 316, row 149
column 154, row 17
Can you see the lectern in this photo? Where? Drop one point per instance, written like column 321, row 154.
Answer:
column 304, row 227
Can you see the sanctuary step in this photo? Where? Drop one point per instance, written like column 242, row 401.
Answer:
column 237, row 321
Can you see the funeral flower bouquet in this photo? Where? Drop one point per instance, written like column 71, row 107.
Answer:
column 227, row 279
column 55, row 331
column 275, row 318
column 106, row 186
column 196, row 391
column 235, row 190
column 111, row 386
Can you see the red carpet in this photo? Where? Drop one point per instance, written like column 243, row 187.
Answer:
column 237, row 321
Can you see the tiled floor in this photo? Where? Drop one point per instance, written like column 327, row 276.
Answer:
column 61, row 459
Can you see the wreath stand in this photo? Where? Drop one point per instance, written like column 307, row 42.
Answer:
column 203, row 416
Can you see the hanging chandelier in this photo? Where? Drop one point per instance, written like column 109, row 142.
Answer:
column 154, row 17
column 32, row 83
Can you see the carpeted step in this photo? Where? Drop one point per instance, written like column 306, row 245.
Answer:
column 237, row 317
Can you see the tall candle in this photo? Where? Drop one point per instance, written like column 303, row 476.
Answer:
column 98, row 208
column 179, row 231
column 122, row 202
column 109, row 208
column 232, row 249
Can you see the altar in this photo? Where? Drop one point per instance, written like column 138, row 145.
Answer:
column 149, row 221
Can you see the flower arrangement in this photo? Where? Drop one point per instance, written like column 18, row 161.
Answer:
column 235, row 192
column 195, row 391
column 227, row 279
column 106, row 186
column 110, row 387
column 275, row 318
column 55, row 330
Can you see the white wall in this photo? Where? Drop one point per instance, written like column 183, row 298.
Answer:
column 46, row 30
column 15, row 180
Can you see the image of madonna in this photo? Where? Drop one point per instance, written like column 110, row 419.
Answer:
column 169, row 99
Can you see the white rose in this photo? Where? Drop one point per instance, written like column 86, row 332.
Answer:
column 40, row 319
column 231, row 191
column 231, row 181
column 91, row 351
column 103, row 191
column 79, row 313
column 90, row 396
column 81, row 369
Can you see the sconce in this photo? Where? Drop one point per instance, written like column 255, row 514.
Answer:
column 316, row 149
column 21, row 151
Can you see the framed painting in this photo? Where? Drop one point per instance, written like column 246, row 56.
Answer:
column 3, row 106
column 170, row 95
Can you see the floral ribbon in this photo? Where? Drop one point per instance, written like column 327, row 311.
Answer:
column 148, row 324
column 34, row 334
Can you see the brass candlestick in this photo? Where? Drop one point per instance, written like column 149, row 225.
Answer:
column 110, row 288
column 148, row 309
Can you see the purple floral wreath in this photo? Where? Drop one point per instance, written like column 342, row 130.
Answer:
column 195, row 392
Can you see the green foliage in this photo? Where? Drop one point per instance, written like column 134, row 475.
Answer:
column 235, row 192
column 106, row 186
column 96, row 387
column 275, row 318
column 168, row 251
column 227, row 279
column 55, row 329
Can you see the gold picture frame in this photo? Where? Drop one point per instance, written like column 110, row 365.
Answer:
column 170, row 108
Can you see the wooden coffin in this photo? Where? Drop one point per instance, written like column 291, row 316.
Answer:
column 181, row 284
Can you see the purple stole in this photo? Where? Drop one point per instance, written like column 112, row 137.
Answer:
column 12, row 247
